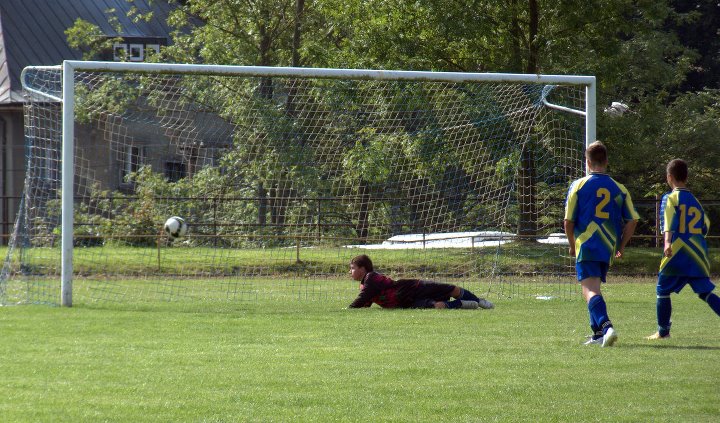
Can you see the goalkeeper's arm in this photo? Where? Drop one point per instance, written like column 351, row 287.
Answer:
column 364, row 299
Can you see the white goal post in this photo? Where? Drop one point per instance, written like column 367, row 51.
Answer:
column 70, row 70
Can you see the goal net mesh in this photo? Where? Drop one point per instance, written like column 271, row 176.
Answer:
column 283, row 180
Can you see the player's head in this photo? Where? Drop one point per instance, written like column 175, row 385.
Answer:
column 678, row 170
column 596, row 155
column 360, row 266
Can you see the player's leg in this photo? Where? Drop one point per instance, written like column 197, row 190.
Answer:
column 712, row 300
column 591, row 276
column 597, row 309
column 704, row 288
column 430, row 303
column 665, row 287
column 439, row 294
column 468, row 298
column 423, row 303
column 663, row 308
column 597, row 333
column 429, row 294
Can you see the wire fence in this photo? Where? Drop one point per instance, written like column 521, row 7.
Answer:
column 648, row 233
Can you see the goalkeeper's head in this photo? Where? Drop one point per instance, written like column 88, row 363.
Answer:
column 363, row 261
column 596, row 156
column 359, row 267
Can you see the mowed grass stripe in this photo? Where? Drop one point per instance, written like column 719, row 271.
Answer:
column 316, row 361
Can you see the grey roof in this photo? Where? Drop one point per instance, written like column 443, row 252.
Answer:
column 32, row 32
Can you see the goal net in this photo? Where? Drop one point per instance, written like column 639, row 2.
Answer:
column 284, row 175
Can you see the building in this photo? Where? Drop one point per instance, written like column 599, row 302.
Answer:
column 32, row 33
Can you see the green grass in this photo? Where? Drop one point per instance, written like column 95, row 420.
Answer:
column 315, row 361
column 515, row 258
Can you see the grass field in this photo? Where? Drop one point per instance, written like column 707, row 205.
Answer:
column 316, row 361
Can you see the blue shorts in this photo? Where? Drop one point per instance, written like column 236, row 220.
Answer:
column 669, row 284
column 589, row 269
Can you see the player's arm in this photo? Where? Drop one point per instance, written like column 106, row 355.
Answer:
column 570, row 215
column 669, row 221
column 361, row 301
column 667, row 249
column 570, row 233
column 631, row 218
column 364, row 299
column 628, row 231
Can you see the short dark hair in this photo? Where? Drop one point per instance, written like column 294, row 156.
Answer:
column 678, row 169
column 596, row 153
column 363, row 261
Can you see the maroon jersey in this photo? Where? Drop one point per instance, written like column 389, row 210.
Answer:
column 403, row 293
column 385, row 292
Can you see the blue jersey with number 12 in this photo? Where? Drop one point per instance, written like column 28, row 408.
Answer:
column 599, row 206
column 682, row 214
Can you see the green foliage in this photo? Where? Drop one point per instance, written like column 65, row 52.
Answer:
column 688, row 128
column 641, row 52
column 114, row 96
column 88, row 38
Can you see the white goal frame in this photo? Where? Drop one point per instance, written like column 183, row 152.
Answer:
column 69, row 68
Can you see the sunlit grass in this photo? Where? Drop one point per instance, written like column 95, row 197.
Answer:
column 314, row 360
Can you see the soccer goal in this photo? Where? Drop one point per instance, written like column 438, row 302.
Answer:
column 284, row 174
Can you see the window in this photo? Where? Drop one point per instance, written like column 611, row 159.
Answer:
column 151, row 49
column 134, row 49
column 130, row 162
column 137, row 52
column 120, row 52
column 47, row 164
column 174, row 171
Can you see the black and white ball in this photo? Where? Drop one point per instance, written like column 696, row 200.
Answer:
column 176, row 227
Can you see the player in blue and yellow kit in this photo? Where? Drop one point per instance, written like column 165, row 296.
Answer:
column 685, row 255
column 599, row 221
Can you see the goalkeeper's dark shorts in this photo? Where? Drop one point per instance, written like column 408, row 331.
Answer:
column 427, row 293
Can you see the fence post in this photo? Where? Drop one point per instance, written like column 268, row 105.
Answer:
column 215, row 233
column 158, row 241
column 318, row 220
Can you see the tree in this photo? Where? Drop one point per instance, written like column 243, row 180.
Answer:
column 641, row 52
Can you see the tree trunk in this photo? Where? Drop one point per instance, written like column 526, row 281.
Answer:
column 527, row 227
column 363, row 222
column 297, row 32
column 533, row 46
column 262, row 204
column 290, row 108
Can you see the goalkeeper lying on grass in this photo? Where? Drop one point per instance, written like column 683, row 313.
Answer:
column 407, row 293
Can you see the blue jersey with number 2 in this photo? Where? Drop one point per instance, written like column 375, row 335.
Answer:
column 599, row 206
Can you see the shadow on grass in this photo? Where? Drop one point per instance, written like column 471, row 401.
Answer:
column 673, row 347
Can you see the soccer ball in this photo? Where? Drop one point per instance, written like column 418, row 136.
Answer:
column 176, row 227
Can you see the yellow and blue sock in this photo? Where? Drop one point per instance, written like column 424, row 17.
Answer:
column 598, row 313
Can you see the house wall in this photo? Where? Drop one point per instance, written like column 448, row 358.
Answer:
column 12, row 168
column 101, row 154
